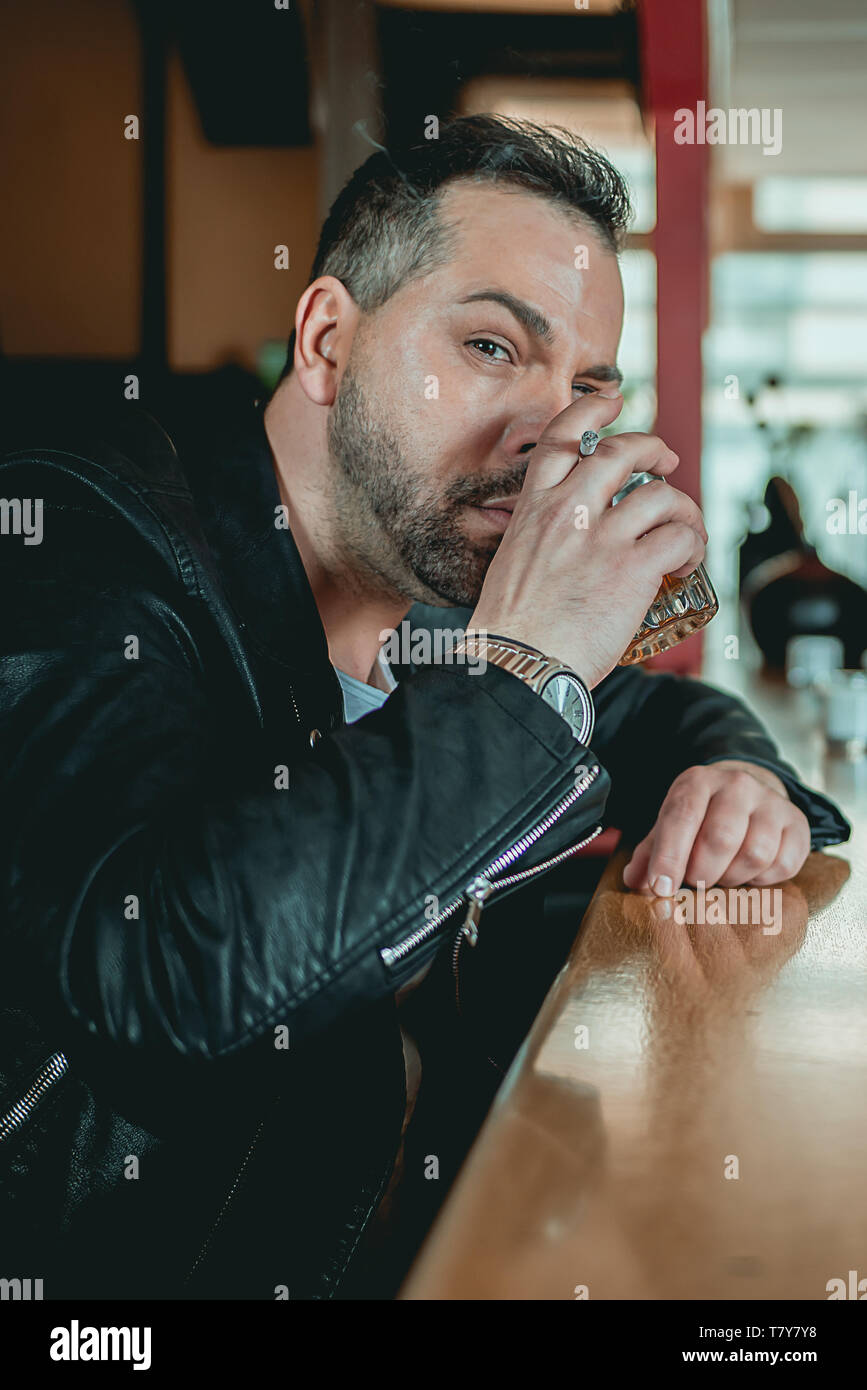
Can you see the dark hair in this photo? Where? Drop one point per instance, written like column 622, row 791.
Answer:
column 383, row 228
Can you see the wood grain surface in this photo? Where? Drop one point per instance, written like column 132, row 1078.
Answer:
column 688, row 1115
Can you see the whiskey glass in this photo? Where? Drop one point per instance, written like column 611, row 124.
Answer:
column 681, row 607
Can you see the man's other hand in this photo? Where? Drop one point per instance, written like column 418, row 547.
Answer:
column 729, row 823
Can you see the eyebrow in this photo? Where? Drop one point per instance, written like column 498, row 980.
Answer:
column 536, row 323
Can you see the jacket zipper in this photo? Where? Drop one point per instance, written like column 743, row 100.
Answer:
column 52, row 1070
column 226, row 1203
column 478, row 892
column 474, row 889
column 482, row 885
column 294, row 706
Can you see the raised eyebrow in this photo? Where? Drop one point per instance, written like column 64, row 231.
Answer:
column 604, row 373
column 532, row 319
column 536, row 323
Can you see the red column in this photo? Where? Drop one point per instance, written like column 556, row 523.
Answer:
column 674, row 76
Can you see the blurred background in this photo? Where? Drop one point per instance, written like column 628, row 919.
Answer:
column 155, row 155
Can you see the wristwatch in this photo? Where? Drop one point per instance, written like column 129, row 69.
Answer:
column 559, row 686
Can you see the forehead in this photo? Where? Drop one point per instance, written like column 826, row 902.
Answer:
column 530, row 247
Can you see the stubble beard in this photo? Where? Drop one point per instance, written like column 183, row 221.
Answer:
column 393, row 531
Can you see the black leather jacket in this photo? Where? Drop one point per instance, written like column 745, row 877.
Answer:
column 207, row 916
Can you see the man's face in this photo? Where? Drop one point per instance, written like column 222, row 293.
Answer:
column 441, row 400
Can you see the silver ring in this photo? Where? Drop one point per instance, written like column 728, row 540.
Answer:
column 589, row 440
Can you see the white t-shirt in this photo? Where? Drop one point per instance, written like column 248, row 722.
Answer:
column 360, row 698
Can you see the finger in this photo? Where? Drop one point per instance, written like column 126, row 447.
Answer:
column 651, row 505
column 791, row 856
column 676, row 827
column 596, row 479
column 635, row 872
column 760, row 847
column 644, row 453
column 557, row 450
column 673, row 548
column 720, row 837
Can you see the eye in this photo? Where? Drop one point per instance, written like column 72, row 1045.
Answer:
column 481, row 344
column 584, row 388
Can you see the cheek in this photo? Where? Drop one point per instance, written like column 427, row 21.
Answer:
column 446, row 412
column 452, row 413
column 460, row 439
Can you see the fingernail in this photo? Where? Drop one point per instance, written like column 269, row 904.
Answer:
column 662, row 886
column 609, row 395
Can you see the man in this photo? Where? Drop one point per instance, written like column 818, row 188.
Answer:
column 221, row 862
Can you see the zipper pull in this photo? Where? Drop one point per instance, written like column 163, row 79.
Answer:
column 477, row 891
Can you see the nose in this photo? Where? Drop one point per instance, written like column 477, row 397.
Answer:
column 533, row 417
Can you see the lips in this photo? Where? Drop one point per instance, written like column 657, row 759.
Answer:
column 496, row 518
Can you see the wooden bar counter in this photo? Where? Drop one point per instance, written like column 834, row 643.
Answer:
column 688, row 1115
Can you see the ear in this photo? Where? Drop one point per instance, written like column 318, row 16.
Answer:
column 325, row 323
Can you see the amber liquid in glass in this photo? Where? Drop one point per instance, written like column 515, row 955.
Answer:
column 682, row 605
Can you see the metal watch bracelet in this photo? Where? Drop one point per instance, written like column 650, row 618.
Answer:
column 535, row 669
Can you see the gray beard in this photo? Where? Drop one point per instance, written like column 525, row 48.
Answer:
column 391, row 528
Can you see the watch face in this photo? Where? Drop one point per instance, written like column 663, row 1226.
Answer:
column 565, row 695
column 562, row 692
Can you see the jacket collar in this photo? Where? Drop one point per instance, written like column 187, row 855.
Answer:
column 261, row 567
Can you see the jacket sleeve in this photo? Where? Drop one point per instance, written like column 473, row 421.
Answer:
column 652, row 726
column 168, row 901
